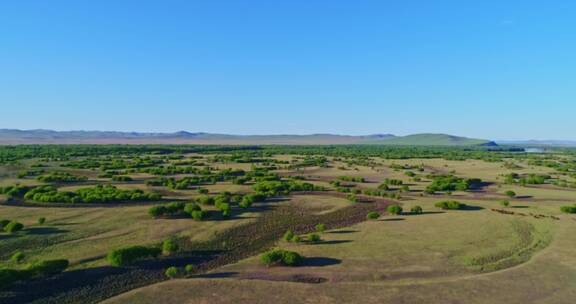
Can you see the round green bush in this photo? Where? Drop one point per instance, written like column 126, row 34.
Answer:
column 289, row 235
column 394, row 209
column 171, row 272
column 169, row 246
column 416, row 210
column 281, row 257
column 199, row 215
column 189, row 268
column 314, row 238
column 372, row 215
column 13, row 227
column 320, row 228
column 41, row 220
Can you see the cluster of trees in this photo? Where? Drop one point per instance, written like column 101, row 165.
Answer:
column 114, row 163
column 172, row 183
column 121, row 178
column 178, row 209
column 449, row 183
column 97, row 194
column 223, row 202
column 61, row 177
column 33, row 172
column 16, row 191
column 355, row 179
column 275, row 188
column 450, row 205
column 11, row 226
column 390, row 182
column 281, row 257
column 128, row 255
column 35, row 270
column 527, row 179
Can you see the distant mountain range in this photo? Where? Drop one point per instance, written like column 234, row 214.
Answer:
column 14, row 136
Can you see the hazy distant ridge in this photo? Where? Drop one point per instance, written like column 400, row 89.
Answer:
column 14, row 136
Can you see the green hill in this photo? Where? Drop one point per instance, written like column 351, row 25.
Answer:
column 433, row 140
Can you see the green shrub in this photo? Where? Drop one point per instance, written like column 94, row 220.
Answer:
column 128, row 255
column 450, row 205
column 510, row 194
column 41, row 220
column 416, row 210
column 205, row 200
column 504, row 203
column 199, row 215
column 44, row 268
column 121, row 178
column 320, row 228
column 296, row 239
column 394, row 209
column 17, row 257
column 372, row 215
column 191, row 207
column 171, row 272
column 352, row 197
column 189, row 268
column 13, row 227
column 169, row 246
column 290, row 258
column 157, row 211
column 289, row 235
column 3, row 223
column 281, row 257
column 568, row 209
column 314, row 238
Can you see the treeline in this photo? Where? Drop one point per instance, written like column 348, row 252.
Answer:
column 61, row 177
column 526, row 179
column 97, row 194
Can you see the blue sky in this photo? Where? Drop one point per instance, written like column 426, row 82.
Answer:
column 488, row 69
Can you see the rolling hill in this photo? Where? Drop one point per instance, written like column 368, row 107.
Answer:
column 433, row 140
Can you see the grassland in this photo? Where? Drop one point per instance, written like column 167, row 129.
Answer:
column 486, row 253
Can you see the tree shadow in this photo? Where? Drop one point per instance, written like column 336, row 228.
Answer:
column 520, row 207
column 424, row 213
column 396, row 219
column 217, row 275
column 343, row 231
column 44, row 230
column 333, row 242
column 64, row 224
column 524, row 196
column 6, row 236
column 320, row 262
column 471, row 208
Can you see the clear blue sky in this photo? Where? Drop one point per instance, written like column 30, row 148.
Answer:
column 488, row 69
